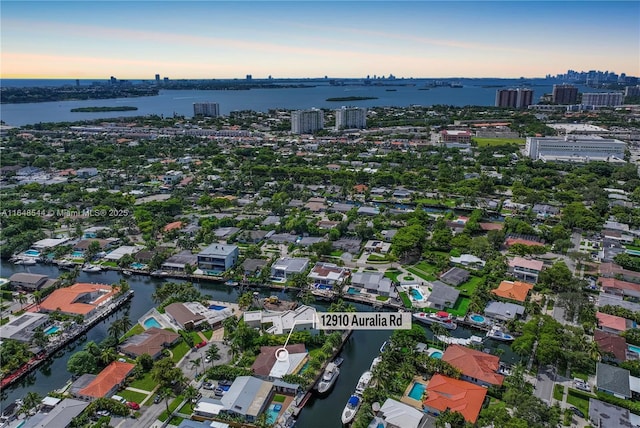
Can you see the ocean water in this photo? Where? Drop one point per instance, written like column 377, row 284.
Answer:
column 479, row 92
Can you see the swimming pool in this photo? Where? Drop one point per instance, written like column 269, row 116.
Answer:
column 32, row 253
column 137, row 266
column 416, row 294
column 77, row 254
column 477, row 318
column 436, row 354
column 51, row 330
column 633, row 252
column 417, row 390
column 272, row 413
column 151, row 322
column 217, row 307
column 323, row 287
column 352, row 290
column 634, row 348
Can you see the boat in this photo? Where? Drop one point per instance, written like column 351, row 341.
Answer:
column 157, row 273
column 351, row 409
column 91, row 268
column 65, row 264
column 26, row 262
column 455, row 85
column 363, row 382
column 384, row 345
column 473, row 340
column 127, row 272
column 496, row 333
column 328, row 379
column 374, row 363
column 443, row 318
column 338, row 361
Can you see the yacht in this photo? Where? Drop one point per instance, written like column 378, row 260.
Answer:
column 338, row 361
column 363, row 382
column 127, row 272
column 443, row 318
column 496, row 333
column 26, row 262
column 91, row 268
column 351, row 409
column 374, row 363
column 329, row 378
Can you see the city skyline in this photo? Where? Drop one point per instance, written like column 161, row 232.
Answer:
column 206, row 39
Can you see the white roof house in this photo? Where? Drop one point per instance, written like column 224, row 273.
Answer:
column 302, row 318
column 327, row 273
column 396, row 414
column 120, row 252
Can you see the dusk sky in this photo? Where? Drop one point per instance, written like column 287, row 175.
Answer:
column 211, row 39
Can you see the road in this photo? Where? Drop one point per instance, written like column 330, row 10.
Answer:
column 544, row 384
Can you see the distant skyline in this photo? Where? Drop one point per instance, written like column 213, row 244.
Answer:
column 296, row 39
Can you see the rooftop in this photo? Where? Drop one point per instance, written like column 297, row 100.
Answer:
column 474, row 364
column 456, row 395
column 526, row 263
column 114, row 374
column 80, row 298
column 513, row 290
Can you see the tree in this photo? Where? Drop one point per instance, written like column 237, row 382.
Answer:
column 213, row 353
column 40, row 338
column 165, row 394
column 107, row 356
column 93, row 249
column 245, row 300
column 82, row 362
column 449, row 419
column 31, row 401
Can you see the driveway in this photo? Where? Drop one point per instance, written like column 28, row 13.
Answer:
column 544, row 384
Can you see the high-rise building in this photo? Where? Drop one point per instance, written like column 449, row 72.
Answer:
column 206, row 109
column 307, row 121
column 632, row 91
column 157, row 78
column 514, row 98
column 602, row 99
column 564, row 94
column 351, row 118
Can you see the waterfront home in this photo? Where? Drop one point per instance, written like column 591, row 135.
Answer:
column 513, row 290
column 253, row 267
column 613, row 347
column 455, row 276
column 152, row 341
column 372, row 282
column 21, row 328
column 104, row 384
column 455, row 395
column 394, row 414
column 60, row 415
column 83, row 244
column 442, row 296
column 525, row 269
column 247, row 398
column 79, row 299
column 476, row 366
column 613, row 380
column 120, row 252
column 178, row 262
column 503, row 311
column 49, row 243
column 613, row 324
column 268, row 366
column 218, row 258
column 302, row 318
column 30, row 281
column 286, row 267
column 328, row 274
column 194, row 315
column 604, row 415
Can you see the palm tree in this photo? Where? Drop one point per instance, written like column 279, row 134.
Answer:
column 107, row 356
column 22, row 299
column 213, row 353
column 114, row 330
column 190, row 393
column 196, row 363
column 30, row 402
column 166, row 393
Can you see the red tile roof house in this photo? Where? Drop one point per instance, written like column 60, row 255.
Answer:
column 611, row 270
column 619, row 287
column 456, row 395
column 79, row 299
column 613, row 324
column 476, row 367
column 612, row 346
column 107, row 382
column 153, row 341
column 513, row 290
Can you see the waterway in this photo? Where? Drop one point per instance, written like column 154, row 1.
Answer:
column 478, row 92
column 320, row 412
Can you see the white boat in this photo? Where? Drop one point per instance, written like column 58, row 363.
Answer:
column 384, row 345
column 91, row 268
column 329, row 378
column 443, row 318
column 496, row 333
column 374, row 363
column 28, row 261
column 127, row 272
column 363, row 382
column 338, row 361
column 351, row 409
column 473, row 340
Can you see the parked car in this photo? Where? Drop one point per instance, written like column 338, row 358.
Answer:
column 225, row 383
column 207, row 385
column 576, row 411
column 201, row 344
column 133, row 405
column 581, row 384
column 103, row 413
column 157, row 399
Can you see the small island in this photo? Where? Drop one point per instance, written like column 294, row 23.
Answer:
column 102, row 109
column 351, row 98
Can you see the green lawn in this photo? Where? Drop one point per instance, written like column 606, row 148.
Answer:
column 405, row 299
column 208, row 334
column 187, row 409
column 138, row 397
column 336, row 253
column 382, row 298
column 558, row 392
column 377, row 258
column 461, row 307
column 172, row 406
column 196, row 337
column 482, row 142
column 468, row 288
column 136, row 329
column 583, row 376
column 392, row 274
column 579, row 399
column 279, row 398
column 179, row 351
column 421, row 274
column 145, row 383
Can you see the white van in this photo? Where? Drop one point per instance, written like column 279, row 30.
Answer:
column 118, row 398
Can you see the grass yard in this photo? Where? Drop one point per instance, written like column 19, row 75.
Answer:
column 579, row 399
column 179, row 351
column 279, row 398
column 195, row 336
column 558, row 392
column 187, row 409
column 144, row 383
column 137, row 397
column 208, row 334
column 422, row 274
column 136, row 329
column 405, row 299
column 468, row 288
column 172, row 406
column 483, row 142
column 382, row 298
column 336, row 253
column 392, row 274
column 377, row 258
column 461, row 307
column 583, row 376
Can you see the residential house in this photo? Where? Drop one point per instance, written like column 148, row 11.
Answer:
column 394, row 414
column 21, row 328
column 217, row 258
column 285, row 267
column 30, row 281
column 79, row 299
column 605, row 299
column 368, row 211
column 303, row 318
column 502, row 311
column 612, row 270
column 543, row 211
column 444, row 393
column 476, row 366
column 613, row 347
column 468, row 260
column 248, row 397
column 372, row 282
column 349, row 244
column 442, row 296
column 525, row 269
column 387, row 235
column 225, row 233
column 171, row 177
column 83, row 244
column 60, row 416
column 194, row 315
column 327, row 224
column 328, row 274
column 107, row 382
column 86, row 172
column 268, row 366
column 605, row 415
column 530, row 241
column 152, row 341
column 253, row 267
column 513, row 290
column 455, row 276
column 619, row 288
column 178, row 262
column 316, row 205
column 376, row 246
column 613, row 323
column 613, row 380
column 252, row 236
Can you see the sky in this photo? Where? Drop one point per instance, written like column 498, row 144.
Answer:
column 295, row 39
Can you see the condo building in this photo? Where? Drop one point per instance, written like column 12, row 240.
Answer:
column 206, row 109
column 575, row 148
column 604, row 99
column 307, row 121
column 564, row 94
column 351, row 118
column 514, row 98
